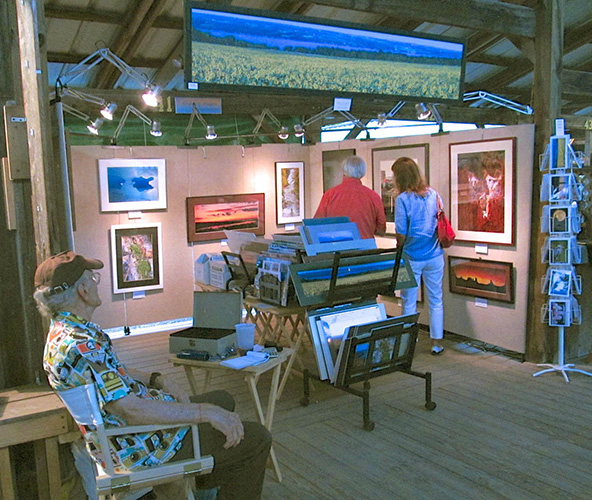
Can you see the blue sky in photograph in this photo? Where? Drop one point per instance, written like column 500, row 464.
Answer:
column 278, row 34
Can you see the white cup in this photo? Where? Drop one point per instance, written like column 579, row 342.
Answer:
column 245, row 336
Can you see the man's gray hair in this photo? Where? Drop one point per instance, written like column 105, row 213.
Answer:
column 355, row 167
column 50, row 304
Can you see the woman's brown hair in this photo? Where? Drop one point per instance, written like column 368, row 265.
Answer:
column 408, row 177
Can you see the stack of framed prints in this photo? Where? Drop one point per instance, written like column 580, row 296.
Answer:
column 561, row 220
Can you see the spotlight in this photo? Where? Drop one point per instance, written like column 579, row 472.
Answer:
column 284, row 133
column 150, row 97
column 299, row 130
column 155, row 130
column 211, row 132
column 381, row 119
column 423, row 113
column 108, row 110
column 93, row 127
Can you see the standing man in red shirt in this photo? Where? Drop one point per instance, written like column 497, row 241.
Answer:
column 354, row 200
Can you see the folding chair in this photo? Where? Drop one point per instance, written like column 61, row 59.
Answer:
column 83, row 405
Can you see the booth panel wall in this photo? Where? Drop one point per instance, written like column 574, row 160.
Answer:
column 500, row 324
column 213, row 170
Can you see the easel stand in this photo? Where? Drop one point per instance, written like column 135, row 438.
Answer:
column 561, row 366
column 364, row 393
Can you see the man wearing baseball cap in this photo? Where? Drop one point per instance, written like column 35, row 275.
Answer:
column 78, row 352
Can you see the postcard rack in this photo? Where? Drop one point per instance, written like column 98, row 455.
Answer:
column 366, row 350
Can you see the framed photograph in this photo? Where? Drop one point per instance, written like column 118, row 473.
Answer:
column 136, row 257
column 132, row 185
column 482, row 191
column 332, row 167
column 289, row 192
column 482, row 278
column 559, row 312
column 382, row 175
column 209, row 216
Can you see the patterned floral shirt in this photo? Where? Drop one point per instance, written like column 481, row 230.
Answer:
column 78, row 352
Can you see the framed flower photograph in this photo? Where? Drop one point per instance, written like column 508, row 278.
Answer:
column 136, row 257
column 132, row 185
column 482, row 191
column 289, row 192
column 209, row 216
column 382, row 175
column 488, row 279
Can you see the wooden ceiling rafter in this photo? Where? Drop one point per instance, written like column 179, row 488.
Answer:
column 130, row 38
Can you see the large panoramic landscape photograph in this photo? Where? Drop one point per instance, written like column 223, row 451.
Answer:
column 230, row 48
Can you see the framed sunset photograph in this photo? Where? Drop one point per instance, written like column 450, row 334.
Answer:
column 487, row 279
column 209, row 216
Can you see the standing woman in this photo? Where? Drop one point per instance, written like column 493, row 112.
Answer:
column 416, row 207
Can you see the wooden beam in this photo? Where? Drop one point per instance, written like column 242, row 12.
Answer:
column 171, row 66
column 541, row 340
column 134, row 26
column 488, row 15
column 577, row 82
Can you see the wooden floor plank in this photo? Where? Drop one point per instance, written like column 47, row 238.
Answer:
column 497, row 432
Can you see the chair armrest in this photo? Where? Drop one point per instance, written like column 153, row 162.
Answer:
column 137, row 429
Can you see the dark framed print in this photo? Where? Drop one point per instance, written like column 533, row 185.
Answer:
column 132, row 185
column 332, row 167
column 209, row 216
column 482, row 191
column 289, row 191
column 488, row 279
column 136, row 257
column 382, row 175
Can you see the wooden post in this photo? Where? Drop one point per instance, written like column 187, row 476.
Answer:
column 541, row 342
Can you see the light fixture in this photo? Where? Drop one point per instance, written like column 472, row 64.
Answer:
column 500, row 101
column 283, row 132
column 155, row 130
column 108, row 110
column 94, row 126
column 154, row 125
column 299, row 130
column 423, row 113
column 210, row 130
column 151, row 95
column 383, row 117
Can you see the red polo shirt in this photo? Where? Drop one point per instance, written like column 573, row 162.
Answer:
column 354, row 200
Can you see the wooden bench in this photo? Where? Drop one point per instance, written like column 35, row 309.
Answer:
column 34, row 414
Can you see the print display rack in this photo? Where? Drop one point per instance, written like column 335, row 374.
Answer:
column 564, row 190
column 353, row 339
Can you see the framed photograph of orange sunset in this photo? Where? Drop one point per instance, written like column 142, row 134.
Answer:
column 487, row 279
column 209, row 216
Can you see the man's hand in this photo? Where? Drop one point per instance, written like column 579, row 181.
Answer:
column 227, row 422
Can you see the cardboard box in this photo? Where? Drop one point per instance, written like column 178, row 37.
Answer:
column 201, row 268
column 219, row 273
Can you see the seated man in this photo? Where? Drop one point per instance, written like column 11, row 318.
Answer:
column 78, row 352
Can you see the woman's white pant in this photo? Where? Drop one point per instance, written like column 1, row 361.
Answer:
column 432, row 272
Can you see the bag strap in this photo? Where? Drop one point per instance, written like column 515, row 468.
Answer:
column 439, row 201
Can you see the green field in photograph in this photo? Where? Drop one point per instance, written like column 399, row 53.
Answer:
column 220, row 64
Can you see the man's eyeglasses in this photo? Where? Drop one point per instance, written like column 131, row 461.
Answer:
column 96, row 277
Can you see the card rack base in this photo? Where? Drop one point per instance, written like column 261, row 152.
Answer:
column 564, row 369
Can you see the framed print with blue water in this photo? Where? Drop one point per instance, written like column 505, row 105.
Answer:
column 136, row 257
column 132, row 185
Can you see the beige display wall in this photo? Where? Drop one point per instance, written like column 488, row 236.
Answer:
column 218, row 170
